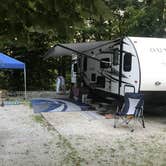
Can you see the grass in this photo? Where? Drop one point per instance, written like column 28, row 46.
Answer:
column 38, row 119
column 73, row 156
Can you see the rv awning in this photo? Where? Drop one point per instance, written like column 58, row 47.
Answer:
column 74, row 48
column 7, row 62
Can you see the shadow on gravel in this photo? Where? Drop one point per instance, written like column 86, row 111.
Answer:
column 156, row 113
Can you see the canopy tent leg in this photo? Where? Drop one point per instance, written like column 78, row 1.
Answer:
column 25, row 84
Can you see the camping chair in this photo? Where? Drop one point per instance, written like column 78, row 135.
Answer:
column 132, row 109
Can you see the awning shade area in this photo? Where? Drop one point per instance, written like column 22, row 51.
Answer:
column 69, row 49
column 7, row 62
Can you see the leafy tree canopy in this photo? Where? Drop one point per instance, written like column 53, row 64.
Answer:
column 28, row 28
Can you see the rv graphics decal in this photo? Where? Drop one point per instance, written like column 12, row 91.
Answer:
column 108, row 75
column 158, row 50
column 115, row 72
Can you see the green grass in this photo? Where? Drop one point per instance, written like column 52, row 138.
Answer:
column 38, row 119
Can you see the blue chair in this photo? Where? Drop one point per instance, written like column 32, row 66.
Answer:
column 132, row 109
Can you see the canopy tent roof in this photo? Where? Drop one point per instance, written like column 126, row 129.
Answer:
column 7, row 62
column 72, row 48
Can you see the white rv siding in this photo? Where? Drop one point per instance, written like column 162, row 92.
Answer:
column 152, row 57
column 132, row 76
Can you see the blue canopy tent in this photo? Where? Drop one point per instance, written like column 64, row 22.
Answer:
column 7, row 62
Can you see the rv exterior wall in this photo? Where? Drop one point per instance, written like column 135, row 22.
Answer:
column 131, row 78
column 152, row 57
column 143, row 67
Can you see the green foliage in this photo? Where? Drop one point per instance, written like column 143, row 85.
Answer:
column 28, row 28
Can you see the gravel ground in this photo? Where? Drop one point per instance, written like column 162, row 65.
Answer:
column 78, row 138
column 27, row 140
column 99, row 144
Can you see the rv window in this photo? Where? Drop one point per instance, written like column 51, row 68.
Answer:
column 85, row 64
column 103, row 64
column 127, row 62
column 93, row 77
column 75, row 67
column 116, row 57
column 101, row 81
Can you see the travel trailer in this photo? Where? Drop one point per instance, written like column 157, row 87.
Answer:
column 112, row 68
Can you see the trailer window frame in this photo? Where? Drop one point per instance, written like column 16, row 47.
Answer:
column 116, row 57
column 127, row 62
column 104, row 65
column 85, row 61
column 101, row 81
column 93, row 77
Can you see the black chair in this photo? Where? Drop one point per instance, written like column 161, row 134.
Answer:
column 132, row 109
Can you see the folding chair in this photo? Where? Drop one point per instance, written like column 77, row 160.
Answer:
column 132, row 109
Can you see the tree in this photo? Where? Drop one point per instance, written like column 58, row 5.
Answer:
column 28, row 28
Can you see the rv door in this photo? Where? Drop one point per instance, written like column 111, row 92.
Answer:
column 130, row 73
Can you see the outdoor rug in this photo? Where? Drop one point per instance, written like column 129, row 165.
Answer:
column 57, row 105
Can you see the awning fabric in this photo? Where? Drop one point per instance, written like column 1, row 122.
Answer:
column 69, row 49
column 7, row 62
